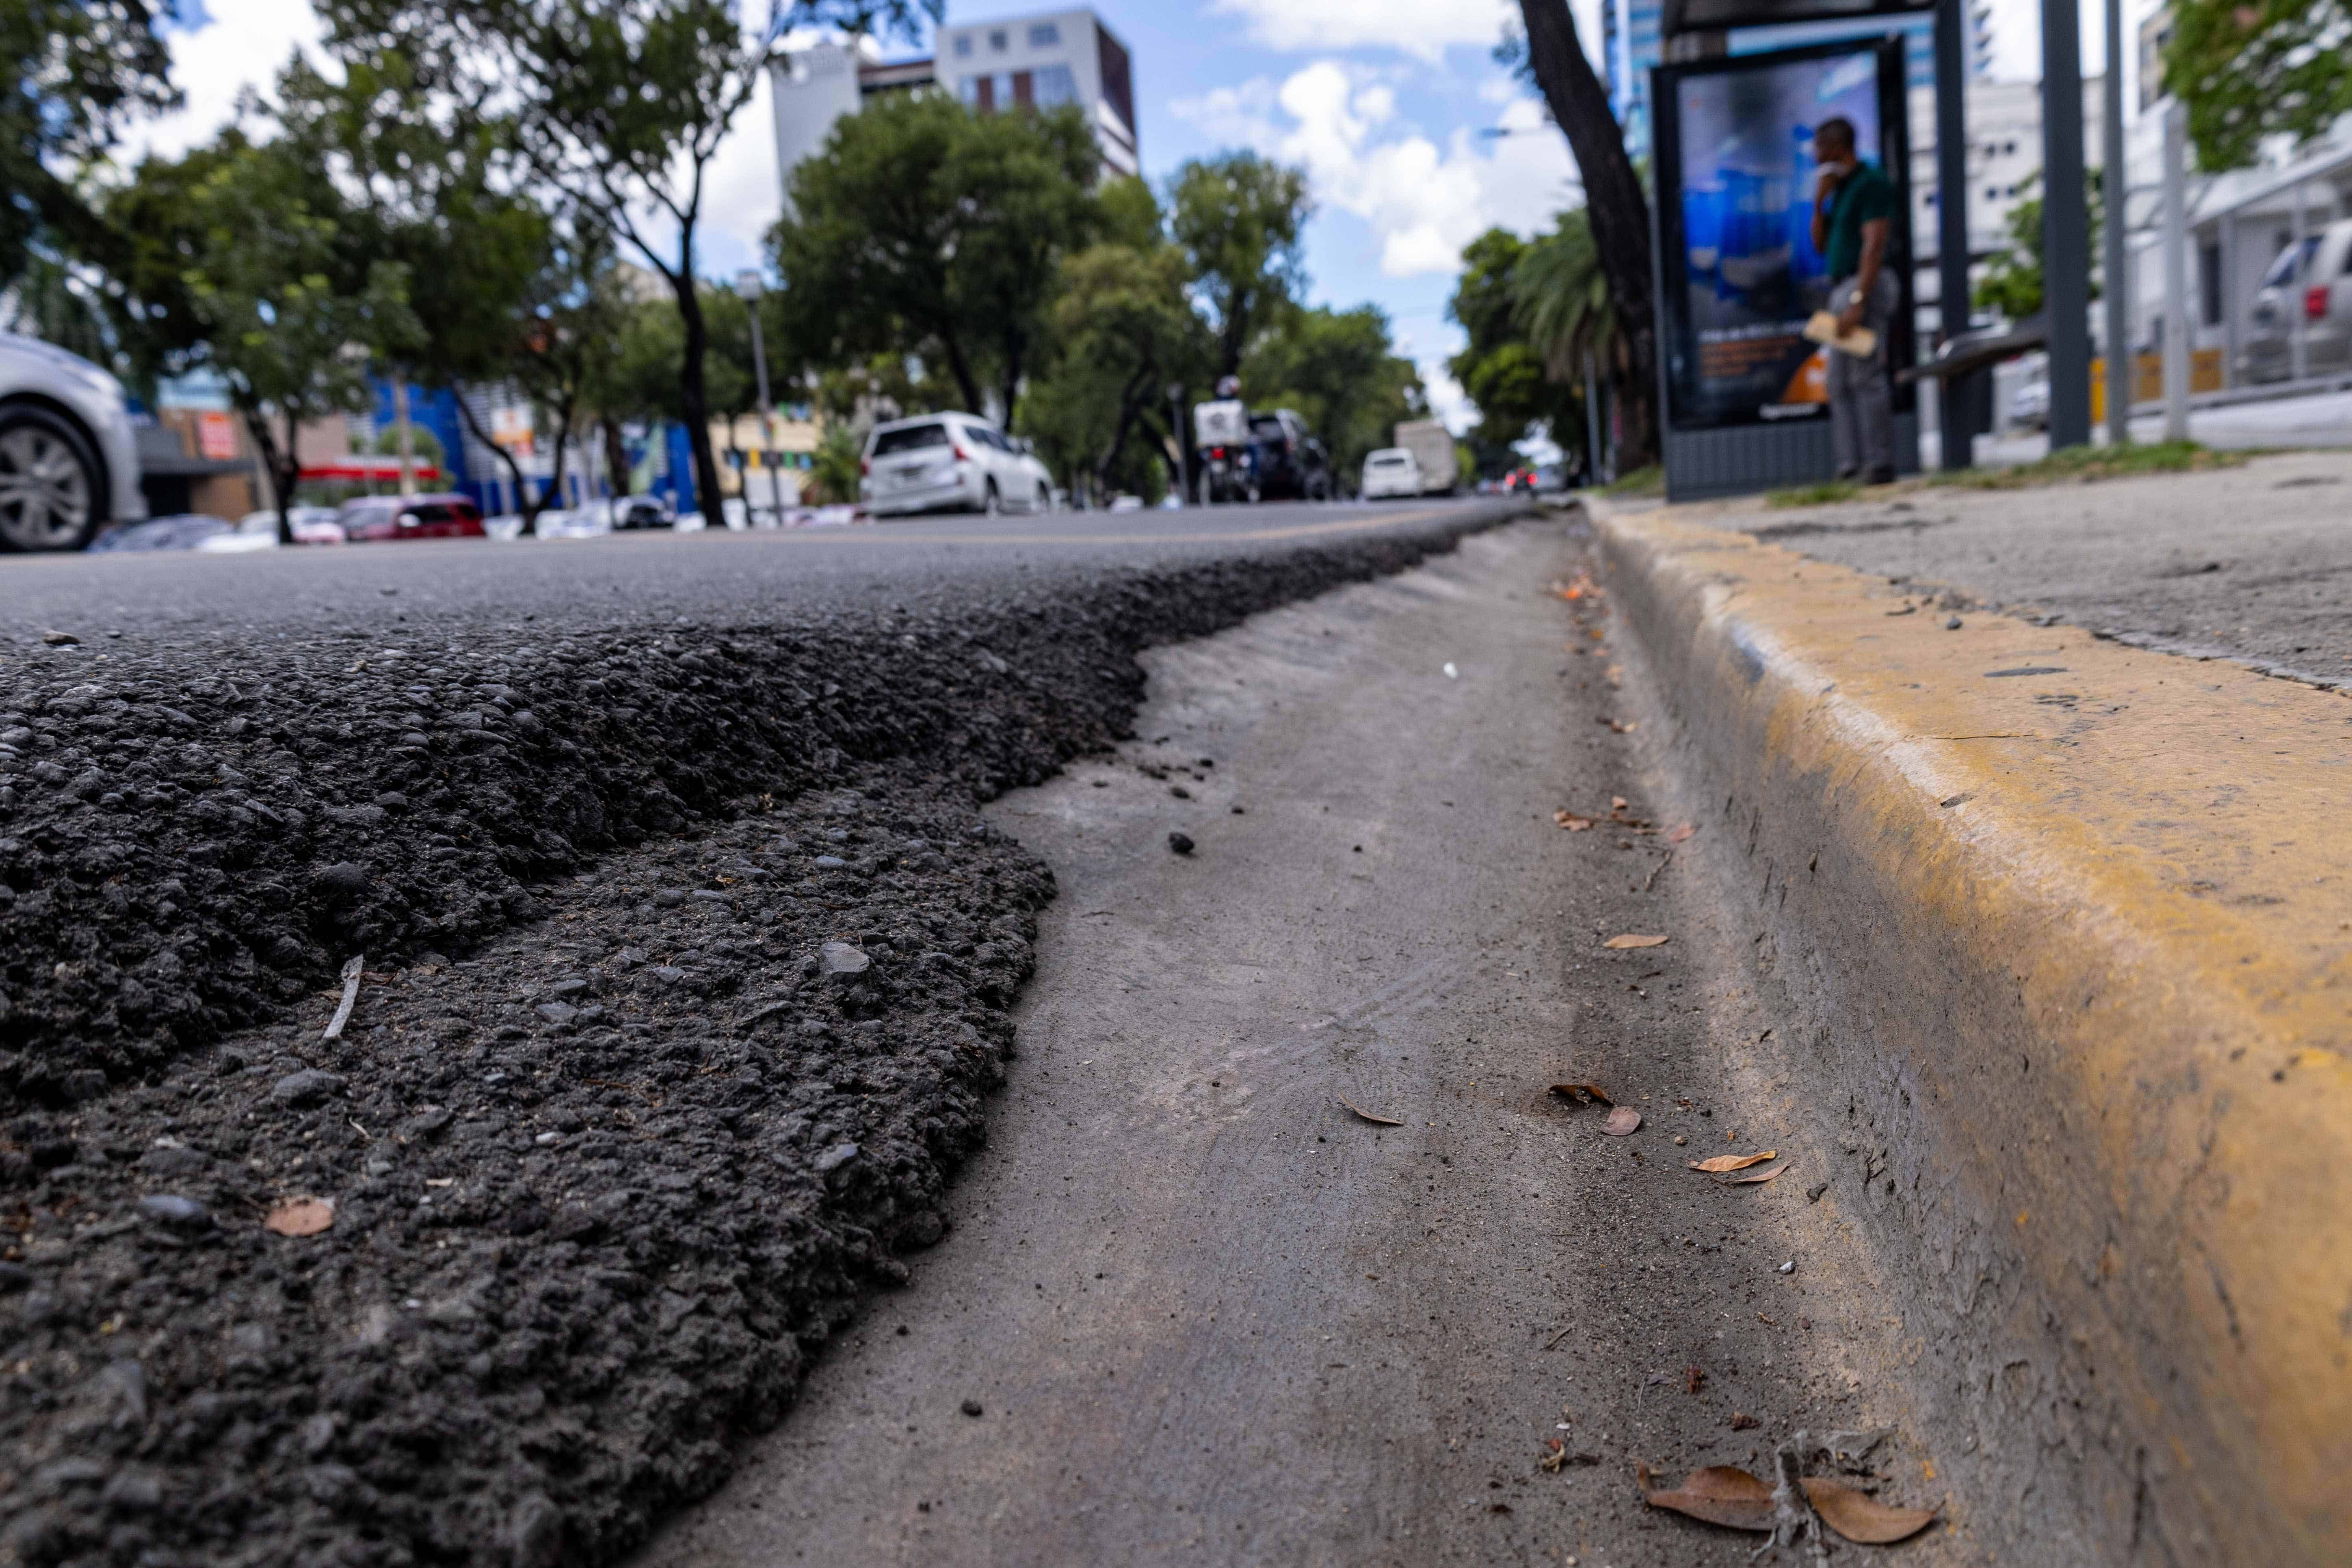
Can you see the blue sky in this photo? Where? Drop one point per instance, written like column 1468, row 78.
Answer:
column 1380, row 101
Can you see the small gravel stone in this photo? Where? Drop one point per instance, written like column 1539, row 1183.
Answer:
column 841, row 963
column 179, row 1213
column 1180, row 843
column 833, row 1159
column 558, row 1012
column 970, row 1407
column 307, row 1086
column 829, row 862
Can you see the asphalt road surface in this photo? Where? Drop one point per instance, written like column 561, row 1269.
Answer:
column 1193, row 1307
column 599, row 583
column 2245, row 563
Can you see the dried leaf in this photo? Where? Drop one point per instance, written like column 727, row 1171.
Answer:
column 1630, row 940
column 1622, row 1120
column 1375, row 1120
column 1680, row 832
column 1734, row 1162
column 1581, row 1093
column 1719, row 1495
column 1571, row 821
column 1751, row 1179
column 1860, row 1517
column 1625, row 726
column 301, row 1217
column 1743, row 1422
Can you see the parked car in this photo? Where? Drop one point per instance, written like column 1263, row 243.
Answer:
column 68, row 460
column 1391, row 472
column 1290, row 460
column 950, row 462
column 2313, row 282
column 410, row 517
column 2028, row 406
column 181, row 531
column 311, row 525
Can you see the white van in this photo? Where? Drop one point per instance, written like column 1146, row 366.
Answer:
column 950, row 462
column 1391, row 472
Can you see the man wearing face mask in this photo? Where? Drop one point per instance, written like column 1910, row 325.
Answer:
column 1854, row 211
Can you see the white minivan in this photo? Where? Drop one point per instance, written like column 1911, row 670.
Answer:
column 957, row 462
column 1391, row 472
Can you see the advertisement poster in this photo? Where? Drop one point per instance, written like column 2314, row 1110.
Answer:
column 1740, row 271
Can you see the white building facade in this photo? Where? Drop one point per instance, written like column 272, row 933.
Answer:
column 1040, row 61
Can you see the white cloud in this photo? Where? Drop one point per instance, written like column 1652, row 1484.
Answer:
column 1424, row 203
column 1416, row 27
column 214, row 64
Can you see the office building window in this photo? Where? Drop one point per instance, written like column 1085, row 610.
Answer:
column 978, row 92
column 998, row 38
column 1055, row 86
column 963, row 46
column 1043, row 34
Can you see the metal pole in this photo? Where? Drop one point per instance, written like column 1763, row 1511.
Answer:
column 2175, row 273
column 1958, row 415
column 2296, row 283
column 407, row 434
column 2228, row 297
column 2114, row 181
column 2066, row 225
column 767, row 422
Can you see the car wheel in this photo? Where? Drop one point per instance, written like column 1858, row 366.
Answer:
column 1044, row 498
column 991, row 503
column 49, row 486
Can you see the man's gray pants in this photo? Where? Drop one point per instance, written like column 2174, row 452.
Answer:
column 1861, row 395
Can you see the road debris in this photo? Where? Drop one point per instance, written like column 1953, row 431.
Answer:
column 1375, row 1120
column 1694, row 1379
column 1622, row 1121
column 1680, row 832
column 1581, row 1093
column 1452, row 673
column 1733, row 1162
column 1571, row 821
column 1743, row 1422
column 1861, row 1517
column 60, row 639
column 1631, row 940
column 1792, row 1512
column 1180, row 843
column 1753, row 1178
column 352, row 972
column 299, row 1216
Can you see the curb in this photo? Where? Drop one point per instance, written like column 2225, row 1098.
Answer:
column 2073, row 925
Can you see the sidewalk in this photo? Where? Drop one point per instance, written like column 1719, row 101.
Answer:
column 2071, row 917
column 2324, row 420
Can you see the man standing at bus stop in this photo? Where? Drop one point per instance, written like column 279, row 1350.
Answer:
column 1854, row 211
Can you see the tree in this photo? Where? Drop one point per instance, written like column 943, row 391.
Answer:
column 77, row 72
column 2013, row 279
column 924, row 228
column 1619, row 213
column 1500, row 368
column 1125, row 330
column 251, row 263
column 1238, row 219
column 618, row 105
column 1561, row 303
column 2247, row 70
column 1339, row 370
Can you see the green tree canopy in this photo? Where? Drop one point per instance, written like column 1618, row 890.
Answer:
column 924, row 228
column 1126, row 332
column 2013, row 280
column 1500, row 368
column 78, row 71
column 1239, row 220
column 1339, row 370
column 2251, row 68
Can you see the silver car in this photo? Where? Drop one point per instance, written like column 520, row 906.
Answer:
column 952, row 462
column 68, row 462
column 2312, row 281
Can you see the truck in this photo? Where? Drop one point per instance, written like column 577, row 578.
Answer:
column 1432, row 446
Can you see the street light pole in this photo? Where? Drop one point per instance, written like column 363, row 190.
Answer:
column 748, row 284
column 1176, row 430
column 2115, row 183
column 2066, row 225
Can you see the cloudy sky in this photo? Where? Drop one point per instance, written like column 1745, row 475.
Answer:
column 1380, row 101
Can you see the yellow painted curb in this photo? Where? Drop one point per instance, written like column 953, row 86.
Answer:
column 2079, row 921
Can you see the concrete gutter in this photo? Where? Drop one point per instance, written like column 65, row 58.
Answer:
column 2073, row 924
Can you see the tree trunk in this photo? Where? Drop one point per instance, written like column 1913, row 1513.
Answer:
column 616, row 458
column 693, row 401
column 959, row 368
column 1612, row 194
column 525, row 505
column 284, row 467
column 1131, row 404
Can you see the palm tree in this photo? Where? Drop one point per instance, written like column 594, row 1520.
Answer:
column 1561, row 299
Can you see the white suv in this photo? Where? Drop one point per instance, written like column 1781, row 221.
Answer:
column 68, row 461
column 1391, row 472
column 951, row 461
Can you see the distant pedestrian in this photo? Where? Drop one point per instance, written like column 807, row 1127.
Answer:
column 1854, row 211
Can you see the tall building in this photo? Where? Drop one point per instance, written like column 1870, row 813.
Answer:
column 1631, row 46
column 1040, row 61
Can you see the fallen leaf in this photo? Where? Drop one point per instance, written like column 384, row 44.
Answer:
column 1719, row 1495
column 301, row 1217
column 1375, row 1120
column 1571, row 821
column 1555, row 1455
column 1860, row 1517
column 1616, row 803
column 1680, row 832
column 1742, row 1422
column 1582, row 1093
column 1625, row 726
column 1752, row 1179
column 1734, row 1162
column 1622, row 942
column 1694, row 1379
column 1622, row 1120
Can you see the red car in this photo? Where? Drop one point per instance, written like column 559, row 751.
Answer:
column 410, row 517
